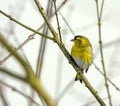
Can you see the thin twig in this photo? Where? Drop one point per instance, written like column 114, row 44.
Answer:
column 17, row 56
column 67, row 55
column 56, row 14
column 59, row 72
column 92, row 102
column 42, row 48
column 106, row 45
column 30, row 78
column 41, row 10
column 16, row 49
column 31, row 35
column 18, row 91
column 65, row 90
column 117, row 88
column 67, row 24
column 43, row 42
column 3, row 97
column 99, row 16
column 25, row 26
column 10, row 73
column 101, row 11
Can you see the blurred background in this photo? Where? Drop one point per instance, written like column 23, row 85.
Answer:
column 48, row 61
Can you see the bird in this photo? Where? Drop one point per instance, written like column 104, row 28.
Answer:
column 81, row 53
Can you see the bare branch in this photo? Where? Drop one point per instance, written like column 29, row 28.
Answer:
column 25, row 26
column 67, row 55
column 31, row 79
column 99, row 16
column 18, row 91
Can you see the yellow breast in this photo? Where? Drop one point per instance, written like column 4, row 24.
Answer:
column 82, row 56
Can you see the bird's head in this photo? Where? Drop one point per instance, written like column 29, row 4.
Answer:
column 81, row 41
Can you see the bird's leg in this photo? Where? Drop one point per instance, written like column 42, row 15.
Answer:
column 78, row 76
column 81, row 71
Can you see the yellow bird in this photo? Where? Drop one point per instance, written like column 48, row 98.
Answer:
column 82, row 53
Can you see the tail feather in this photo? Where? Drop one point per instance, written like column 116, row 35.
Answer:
column 86, row 70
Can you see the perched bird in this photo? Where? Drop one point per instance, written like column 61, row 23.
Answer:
column 82, row 54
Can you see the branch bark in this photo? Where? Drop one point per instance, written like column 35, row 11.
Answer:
column 30, row 77
column 67, row 55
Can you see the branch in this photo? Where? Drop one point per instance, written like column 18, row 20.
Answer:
column 25, row 26
column 31, row 36
column 67, row 24
column 56, row 14
column 16, row 49
column 17, row 56
column 87, row 84
column 117, row 88
column 3, row 97
column 5, row 71
column 67, row 55
column 18, row 91
column 65, row 90
column 42, row 48
column 41, row 10
column 31, row 78
column 99, row 16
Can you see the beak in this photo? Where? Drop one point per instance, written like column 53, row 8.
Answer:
column 72, row 40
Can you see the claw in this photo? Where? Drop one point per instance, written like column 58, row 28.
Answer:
column 78, row 77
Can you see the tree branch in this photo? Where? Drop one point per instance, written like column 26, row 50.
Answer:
column 18, row 91
column 99, row 16
column 68, row 56
column 31, row 78
column 10, row 73
column 25, row 26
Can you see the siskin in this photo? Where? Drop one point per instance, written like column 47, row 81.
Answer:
column 82, row 54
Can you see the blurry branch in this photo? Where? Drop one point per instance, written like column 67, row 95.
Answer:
column 42, row 48
column 65, row 90
column 41, row 10
column 50, row 13
column 43, row 42
column 117, row 88
column 30, row 77
column 16, row 49
column 67, row 24
column 25, row 26
column 40, row 58
column 18, row 91
column 59, row 69
column 67, row 55
column 10, row 73
column 111, row 43
column 58, row 77
column 106, row 45
column 26, row 67
column 60, row 95
column 3, row 97
column 56, row 14
column 30, row 36
column 62, row 4
column 92, row 102
column 99, row 16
